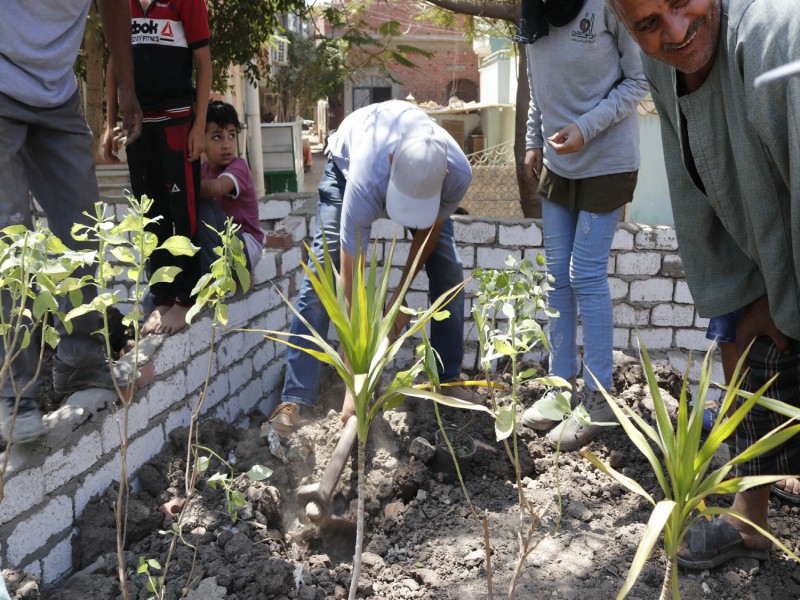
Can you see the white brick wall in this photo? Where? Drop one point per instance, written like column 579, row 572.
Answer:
column 647, row 289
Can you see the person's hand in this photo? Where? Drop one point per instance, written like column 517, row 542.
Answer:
column 131, row 118
column 567, row 140
column 533, row 164
column 110, row 147
column 197, row 141
column 348, row 406
column 756, row 321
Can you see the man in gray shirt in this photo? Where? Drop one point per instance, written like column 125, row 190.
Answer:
column 47, row 150
column 732, row 152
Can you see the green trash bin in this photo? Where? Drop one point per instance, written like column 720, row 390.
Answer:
column 277, row 182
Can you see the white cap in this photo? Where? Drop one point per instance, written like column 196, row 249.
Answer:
column 419, row 165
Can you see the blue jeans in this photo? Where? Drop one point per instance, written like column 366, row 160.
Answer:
column 577, row 245
column 444, row 271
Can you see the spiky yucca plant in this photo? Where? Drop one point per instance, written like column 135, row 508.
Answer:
column 681, row 462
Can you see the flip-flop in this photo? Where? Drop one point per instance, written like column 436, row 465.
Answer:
column 784, row 495
column 709, row 544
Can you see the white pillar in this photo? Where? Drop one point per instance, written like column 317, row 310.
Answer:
column 253, row 121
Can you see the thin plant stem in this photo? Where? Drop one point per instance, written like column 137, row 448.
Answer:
column 667, row 585
column 359, row 520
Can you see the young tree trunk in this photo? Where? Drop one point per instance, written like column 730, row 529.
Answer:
column 359, row 519
column 529, row 199
column 94, row 48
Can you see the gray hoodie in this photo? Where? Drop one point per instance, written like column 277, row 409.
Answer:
column 588, row 72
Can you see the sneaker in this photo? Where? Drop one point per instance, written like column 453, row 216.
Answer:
column 28, row 425
column 68, row 380
column 536, row 420
column 573, row 432
column 284, row 418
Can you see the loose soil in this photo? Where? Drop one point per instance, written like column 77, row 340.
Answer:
column 421, row 541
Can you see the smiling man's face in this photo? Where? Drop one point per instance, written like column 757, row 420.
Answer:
column 681, row 33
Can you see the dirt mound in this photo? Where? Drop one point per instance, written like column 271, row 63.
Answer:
column 421, row 541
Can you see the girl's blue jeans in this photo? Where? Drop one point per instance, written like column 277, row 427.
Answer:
column 577, row 246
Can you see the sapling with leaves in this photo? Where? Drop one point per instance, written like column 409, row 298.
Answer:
column 681, row 461
column 36, row 275
column 364, row 325
column 123, row 250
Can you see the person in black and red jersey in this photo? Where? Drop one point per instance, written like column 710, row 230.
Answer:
column 168, row 38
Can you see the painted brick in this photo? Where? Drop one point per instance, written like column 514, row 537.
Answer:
column 250, row 396
column 176, row 348
column 65, row 463
column 400, row 253
column 467, row 254
column 218, row 390
column 239, row 374
column 627, row 315
column 618, row 288
column 290, row 260
column 263, row 354
column 386, row 229
column 23, row 490
column 622, row 338
column 230, row 349
column 267, row 267
column 672, row 266
column 701, row 322
column 679, row 360
column 417, row 300
column 58, row 561
column 671, row 315
column 297, row 226
column 651, row 290
column 177, row 418
column 692, row 339
column 168, row 393
column 96, row 482
column 611, row 268
column 238, row 311
column 33, row 568
column 623, row 240
column 250, row 341
column 517, row 236
column 144, row 448
column 495, row 258
column 656, row 238
column 638, row 263
column 111, row 425
column 272, row 378
column 682, row 293
column 274, row 209
column 276, row 320
column 54, row 518
column 477, row 232
column 656, row 338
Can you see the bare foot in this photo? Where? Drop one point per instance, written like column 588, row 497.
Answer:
column 753, row 504
column 790, row 485
column 153, row 322
column 174, row 320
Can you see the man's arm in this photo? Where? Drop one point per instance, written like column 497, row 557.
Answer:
column 110, row 142
column 202, row 66
column 116, row 18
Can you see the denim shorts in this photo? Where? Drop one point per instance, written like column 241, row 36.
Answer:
column 723, row 329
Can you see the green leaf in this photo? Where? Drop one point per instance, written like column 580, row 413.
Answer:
column 153, row 563
column 504, row 422
column 164, row 275
column 238, row 499
column 661, row 513
column 178, row 245
column 504, row 347
column 258, row 472
column 554, row 406
column 202, row 463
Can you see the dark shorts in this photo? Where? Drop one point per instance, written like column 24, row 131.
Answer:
column 764, row 362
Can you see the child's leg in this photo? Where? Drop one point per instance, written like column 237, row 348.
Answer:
column 182, row 184
column 147, row 180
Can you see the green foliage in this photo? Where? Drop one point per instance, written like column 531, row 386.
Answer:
column 154, row 583
column 317, row 68
column 240, row 34
column 234, row 499
column 226, row 272
column 681, row 462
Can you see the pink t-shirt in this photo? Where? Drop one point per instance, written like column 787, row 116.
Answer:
column 241, row 203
